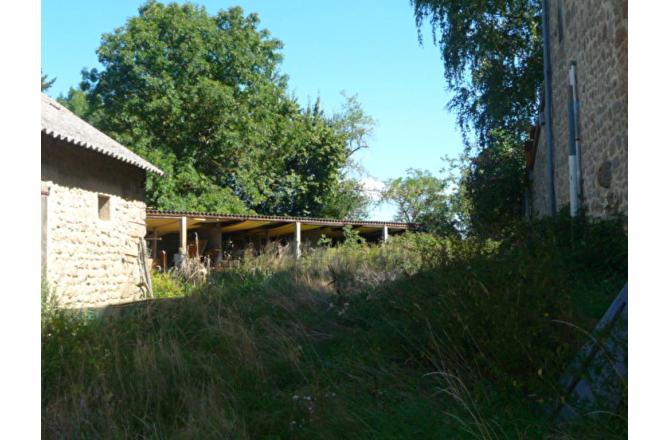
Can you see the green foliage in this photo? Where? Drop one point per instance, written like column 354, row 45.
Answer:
column 419, row 251
column 202, row 97
column 166, row 285
column 374, row 340
column 48, row 303
column 324, row 241
column 46, row 82
column 352, row 237
column 354, row 123
column 485, row 196
column 188, row 190
column 417, row 196
column 492, row 55
column 347, row 200
column 494, row 185
column 76, row 102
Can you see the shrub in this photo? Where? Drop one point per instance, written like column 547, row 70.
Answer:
column 167, row 285
column 488, row 321
column 356, row 266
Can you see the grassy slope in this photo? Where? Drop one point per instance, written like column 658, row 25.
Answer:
column 421, row 339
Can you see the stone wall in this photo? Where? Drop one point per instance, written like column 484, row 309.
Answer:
column 91, row 261
column 539, row 182
column 593, row 34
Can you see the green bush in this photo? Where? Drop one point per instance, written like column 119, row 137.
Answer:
column 498, row 321
column 166, row 285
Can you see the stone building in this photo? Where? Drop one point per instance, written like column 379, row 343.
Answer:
column 93, row 212
column 588, row 62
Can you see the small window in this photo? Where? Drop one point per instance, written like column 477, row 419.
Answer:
column 103, row 207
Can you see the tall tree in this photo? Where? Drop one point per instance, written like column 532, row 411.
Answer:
column 418, row 196
column 492, row 55
column 203, row 98
column 354, row 123
column 348, row 199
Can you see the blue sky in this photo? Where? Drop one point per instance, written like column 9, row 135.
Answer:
column 369, row 48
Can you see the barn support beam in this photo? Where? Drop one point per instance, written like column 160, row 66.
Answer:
column 298, row 240
column 183, row 236
column 386, row 234
column 154, row 246
column 217, row 242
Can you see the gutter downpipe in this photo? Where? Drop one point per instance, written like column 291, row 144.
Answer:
column 574, row 143
column 547, row 74
column 572, row 158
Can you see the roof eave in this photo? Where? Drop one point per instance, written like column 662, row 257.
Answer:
column 257, row 217
column 151, row 168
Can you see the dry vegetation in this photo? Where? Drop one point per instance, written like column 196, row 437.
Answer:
column 421, row 338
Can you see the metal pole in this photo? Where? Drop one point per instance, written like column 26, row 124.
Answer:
column 573, row 143
column 572, row 162
column 547, row 75
column 576, row 113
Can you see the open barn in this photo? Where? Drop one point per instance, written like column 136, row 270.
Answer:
column 223, row 239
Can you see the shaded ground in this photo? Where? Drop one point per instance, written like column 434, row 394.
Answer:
column 352, row 343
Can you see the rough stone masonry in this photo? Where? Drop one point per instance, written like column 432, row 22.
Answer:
column 593, row 34
column 91, row 260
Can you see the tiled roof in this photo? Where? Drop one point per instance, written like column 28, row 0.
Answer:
column 60, row 123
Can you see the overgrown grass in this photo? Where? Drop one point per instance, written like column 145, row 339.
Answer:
column 421, row 338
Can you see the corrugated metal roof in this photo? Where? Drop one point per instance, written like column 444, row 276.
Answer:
column 311, row 220
column 60, row 123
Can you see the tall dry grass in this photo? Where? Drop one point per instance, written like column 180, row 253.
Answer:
column 420, row 338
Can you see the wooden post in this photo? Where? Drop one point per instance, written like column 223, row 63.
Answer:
column 386, row 234
column 154, row 246
column 298, row 239
column 217, row 242
column 183, row 234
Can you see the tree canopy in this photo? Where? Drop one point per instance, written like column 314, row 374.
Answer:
column 418, row 196
column 492, row 56
column 204, row 99
column 489, row 196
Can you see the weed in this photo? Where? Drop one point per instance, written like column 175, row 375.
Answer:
column 423, row 337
